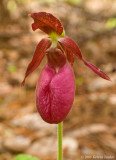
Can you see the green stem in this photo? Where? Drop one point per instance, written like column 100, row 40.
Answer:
column 60, row 125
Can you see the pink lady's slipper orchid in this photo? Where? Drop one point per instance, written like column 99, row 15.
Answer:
column 56, row 85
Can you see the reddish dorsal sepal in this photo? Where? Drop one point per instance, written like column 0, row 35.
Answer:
column 39, row 54
column 70, row 46
column 96, row 70
column 46, row 22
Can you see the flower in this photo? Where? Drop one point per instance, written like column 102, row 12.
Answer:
column 56, row 85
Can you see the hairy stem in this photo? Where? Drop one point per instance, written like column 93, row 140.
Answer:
column 60, row 126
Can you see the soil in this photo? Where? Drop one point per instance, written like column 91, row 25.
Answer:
column 90, row 127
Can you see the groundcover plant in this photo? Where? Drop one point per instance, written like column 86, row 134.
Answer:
column 55, row 89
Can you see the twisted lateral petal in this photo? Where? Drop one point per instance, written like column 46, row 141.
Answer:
column 39, row 54
column 96, row 70
column 46, row 22
column 71, row 46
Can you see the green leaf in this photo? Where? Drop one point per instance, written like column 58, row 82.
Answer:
column 12, row 68
column 74, row 2
column 11, row 5
column 79, row 81
column 111, row 23
column 25, row 157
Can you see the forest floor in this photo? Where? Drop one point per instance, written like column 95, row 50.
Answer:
column 90, row 127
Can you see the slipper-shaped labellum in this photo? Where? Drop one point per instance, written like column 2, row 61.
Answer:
column 56, row 85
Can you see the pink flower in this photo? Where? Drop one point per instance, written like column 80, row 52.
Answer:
column 56, row 85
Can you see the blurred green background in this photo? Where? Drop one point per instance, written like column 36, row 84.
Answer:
column 90, row 127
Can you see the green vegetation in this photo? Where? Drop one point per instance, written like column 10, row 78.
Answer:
column 79, row 81
column 25, row 157
column 12, row 68
column 111, row 23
